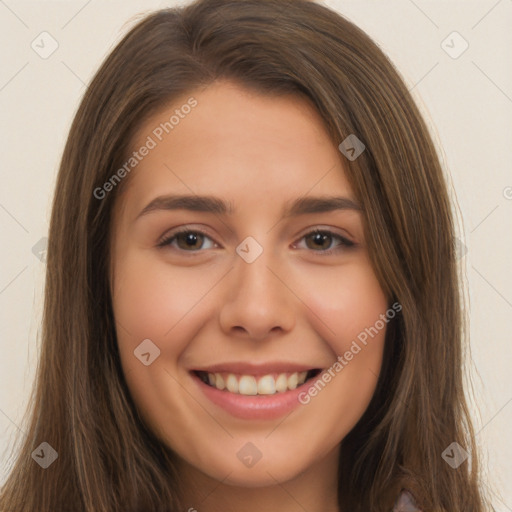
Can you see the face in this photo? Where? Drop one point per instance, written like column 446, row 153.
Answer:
column 223, row 308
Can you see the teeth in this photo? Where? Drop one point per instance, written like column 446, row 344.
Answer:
column 231, row 383
column 250, row 385
column 293, row 380
column 266, row 385
column 247, row 385
column 282, row 383
column 219, row 381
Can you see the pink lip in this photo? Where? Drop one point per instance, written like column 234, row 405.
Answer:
column 256, row 407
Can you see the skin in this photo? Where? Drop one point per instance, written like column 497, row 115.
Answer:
column 207, row 305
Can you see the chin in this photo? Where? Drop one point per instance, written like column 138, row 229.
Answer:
column 261, row 478
column 262, row 474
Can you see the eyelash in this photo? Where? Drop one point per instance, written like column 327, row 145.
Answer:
column 345, row 243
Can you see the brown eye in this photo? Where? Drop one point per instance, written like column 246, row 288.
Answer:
column 189, row 240
column 186, row 240
column 320, row 241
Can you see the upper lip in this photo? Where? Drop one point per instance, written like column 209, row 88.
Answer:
column 256, row 369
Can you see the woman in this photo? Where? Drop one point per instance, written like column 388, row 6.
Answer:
column 199, row 351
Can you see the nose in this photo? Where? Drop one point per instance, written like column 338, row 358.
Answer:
column 258, row 300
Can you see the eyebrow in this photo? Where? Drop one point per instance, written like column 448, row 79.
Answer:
column 211, row 204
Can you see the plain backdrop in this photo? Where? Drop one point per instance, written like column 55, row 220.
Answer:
column 464, row 93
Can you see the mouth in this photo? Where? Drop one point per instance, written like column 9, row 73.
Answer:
column 256, row 385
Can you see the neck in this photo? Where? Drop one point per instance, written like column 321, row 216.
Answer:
column 314, row 490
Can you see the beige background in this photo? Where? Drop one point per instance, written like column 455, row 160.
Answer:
column 467, row 101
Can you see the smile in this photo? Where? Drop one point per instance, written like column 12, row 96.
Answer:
column 251, row 385
column 254, row 391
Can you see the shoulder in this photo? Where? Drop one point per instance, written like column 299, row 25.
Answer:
column 405, row 503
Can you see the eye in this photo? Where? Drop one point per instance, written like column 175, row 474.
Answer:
column 322, row 238
column 186, row 239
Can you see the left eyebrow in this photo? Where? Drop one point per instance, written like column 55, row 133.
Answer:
column 211, row 204
column 321, row 204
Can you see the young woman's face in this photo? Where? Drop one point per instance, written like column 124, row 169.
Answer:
column 248, row 298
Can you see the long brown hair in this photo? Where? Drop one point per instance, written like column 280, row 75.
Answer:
column 107, row 459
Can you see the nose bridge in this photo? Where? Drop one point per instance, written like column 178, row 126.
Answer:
column 253, row 269
column 258, row 300
column 255, row 280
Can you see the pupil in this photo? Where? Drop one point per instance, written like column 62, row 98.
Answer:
column 191, row 239
column 319, row 238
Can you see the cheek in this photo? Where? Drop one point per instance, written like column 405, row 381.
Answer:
column 165, row 304
column 151, row 298
column 346, row 303
column 349, row 308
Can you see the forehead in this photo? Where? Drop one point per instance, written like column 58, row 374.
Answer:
column 246, row 147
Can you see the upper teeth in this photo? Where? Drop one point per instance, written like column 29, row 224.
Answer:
column 251, row 385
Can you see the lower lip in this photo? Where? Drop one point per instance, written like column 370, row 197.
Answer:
column 253, row 407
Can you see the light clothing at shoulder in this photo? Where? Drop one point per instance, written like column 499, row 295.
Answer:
column 405, row 503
